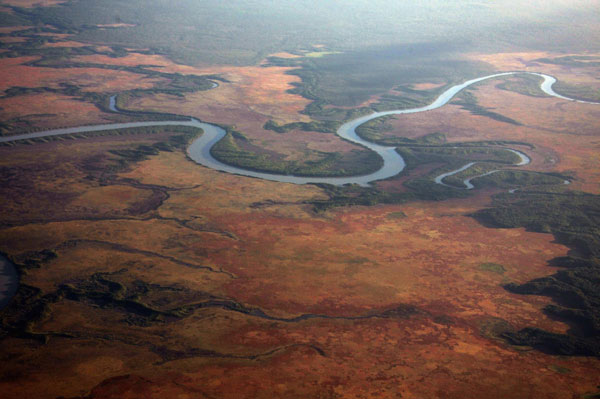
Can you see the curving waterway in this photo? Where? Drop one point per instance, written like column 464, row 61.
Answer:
column 393, row 163
column 199, row 151
column 523, row 160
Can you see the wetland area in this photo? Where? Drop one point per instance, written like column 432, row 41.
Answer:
column 293, row 200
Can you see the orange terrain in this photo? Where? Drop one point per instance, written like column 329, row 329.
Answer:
column 162, row 278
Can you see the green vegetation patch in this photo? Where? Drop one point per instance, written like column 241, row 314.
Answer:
column 579, row 92
column 492, row 267
column 314, row 126
column 518, row 178
column 377, row 131
column 528, row 85
column 396, row 215
column 573, row 60
column 494, row 327
column 559, row 369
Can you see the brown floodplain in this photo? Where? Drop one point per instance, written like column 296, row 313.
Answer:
column 15, row 74
column 249, row 98
column 392, row 291
column 174, row 280
column 564, row 133
column 40, row 111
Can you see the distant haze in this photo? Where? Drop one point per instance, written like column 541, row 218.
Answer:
column 244, row 31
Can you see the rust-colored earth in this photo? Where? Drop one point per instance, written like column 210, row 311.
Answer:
column 357, row 302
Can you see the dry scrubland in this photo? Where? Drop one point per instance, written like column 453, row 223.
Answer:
column 250, row 97
column 565, row 134
column 214, row 285
column 267, row 251
column 14, row 73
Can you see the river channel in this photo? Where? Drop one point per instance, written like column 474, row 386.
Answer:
column 199, row 152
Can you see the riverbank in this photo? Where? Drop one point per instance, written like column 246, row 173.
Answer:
column 200, row 149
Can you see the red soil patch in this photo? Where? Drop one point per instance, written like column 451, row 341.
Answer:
column 49, row 110
column 254, row 96
column 9, row 29
column 66, row 44
column 427, row 86
column 527, row 62
column 285, row 55
column 12, row 39
column 261, row 89
column 135, row 59
column 375, row 359
column 14, row 73
column 289, row 261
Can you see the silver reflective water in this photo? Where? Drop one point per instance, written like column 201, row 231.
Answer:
column 199, row 150
column 523, row 160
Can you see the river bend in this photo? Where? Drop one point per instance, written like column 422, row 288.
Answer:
column 199, row 151
column 393, row 163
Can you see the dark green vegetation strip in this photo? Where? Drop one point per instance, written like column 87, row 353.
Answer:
column 517, row 178
column 573, row 60
column 173, row 142
column 573, row 218
column 528, row 85
column 492, row 267
column 349, row 195
column 380, row 131
column 314, row 126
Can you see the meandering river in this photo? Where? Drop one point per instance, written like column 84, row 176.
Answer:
column 199, row 151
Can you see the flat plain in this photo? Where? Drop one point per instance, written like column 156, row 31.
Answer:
column 145, row 275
